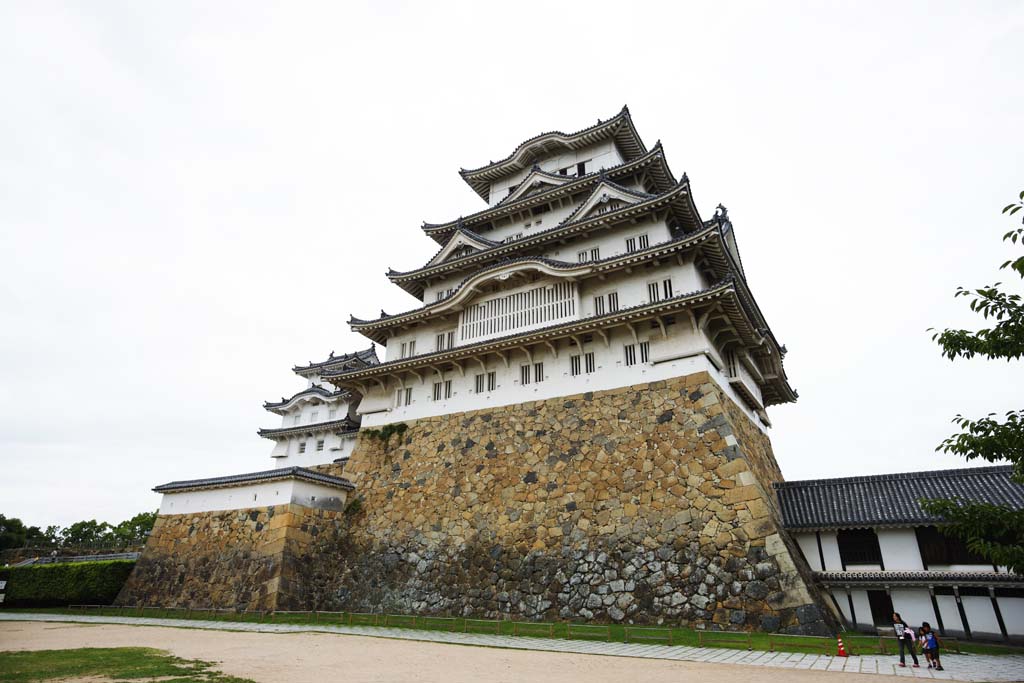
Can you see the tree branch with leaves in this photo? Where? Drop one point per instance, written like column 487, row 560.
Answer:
column 995, row 532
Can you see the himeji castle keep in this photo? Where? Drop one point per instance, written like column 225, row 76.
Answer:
column 571, row 422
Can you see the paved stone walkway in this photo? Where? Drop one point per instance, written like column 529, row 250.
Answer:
column 957, row 667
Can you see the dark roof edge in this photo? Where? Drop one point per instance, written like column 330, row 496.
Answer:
column 252, row 477
column 365, row 355
column 480, row 216
column 896, row 476
column 328, row 426
column 467, row 172
column 316, row 390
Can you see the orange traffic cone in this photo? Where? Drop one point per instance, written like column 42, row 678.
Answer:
column 841, row 651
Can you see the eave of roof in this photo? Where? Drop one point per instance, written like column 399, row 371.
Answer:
column 678, row 197
column 299, row 473
column 619, row 127
column 467, row 233
column 316, row 390
column 724, row 294
column 602, row 265
column 923, row 578
column 336, row 426
column 440, row 231
column 890, row 500
column 368, row 356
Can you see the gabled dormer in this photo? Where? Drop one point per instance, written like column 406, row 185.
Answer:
column 538, row 181
column 605, row 198
column 462, row 243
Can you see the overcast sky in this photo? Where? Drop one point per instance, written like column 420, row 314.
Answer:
column 195, row 196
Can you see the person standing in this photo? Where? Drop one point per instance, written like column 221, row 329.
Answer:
column 931, row 646
column 904, row 639
column 922, row 643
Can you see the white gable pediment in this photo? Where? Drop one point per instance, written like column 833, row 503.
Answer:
column 537, row 181
column 461, row 244
column 605, row 198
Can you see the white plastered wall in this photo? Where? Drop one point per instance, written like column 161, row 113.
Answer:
column 981, row 616
column 262, row 494
column 1013, row 614
column 899, row 550
column 682, row 346
column 286, row 451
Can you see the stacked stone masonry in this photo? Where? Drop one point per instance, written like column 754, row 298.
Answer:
column 244, row 559
column 647, row 504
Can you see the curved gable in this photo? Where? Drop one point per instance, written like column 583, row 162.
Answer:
column 462, row 243
column 537, row 181
column 605, row 198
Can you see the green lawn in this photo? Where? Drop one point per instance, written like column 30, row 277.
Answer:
column 855, row 643
column 121, row 663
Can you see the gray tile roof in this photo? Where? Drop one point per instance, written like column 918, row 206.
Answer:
column 890, row 499
column 922, row 578
column 366, row 356
column 252, row 477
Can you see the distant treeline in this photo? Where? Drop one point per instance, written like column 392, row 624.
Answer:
column 85, row 534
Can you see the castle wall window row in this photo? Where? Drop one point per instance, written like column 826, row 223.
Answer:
column 606, row 303
column 529, row 373
column 442, row 390
column 656, row 291
column 486, row 382
column 403, row 397
column 446, row 340
column 632, row 243
column 587, row 366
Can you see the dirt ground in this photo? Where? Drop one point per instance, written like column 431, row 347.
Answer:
column 316, row 657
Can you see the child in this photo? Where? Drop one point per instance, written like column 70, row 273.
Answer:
column 931, row 646
column 922, row 641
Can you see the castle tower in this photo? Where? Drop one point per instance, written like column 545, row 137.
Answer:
column 319, row 423
column 590, row 270
column 583, row 388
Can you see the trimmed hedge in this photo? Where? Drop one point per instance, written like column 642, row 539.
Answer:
column 59, row 585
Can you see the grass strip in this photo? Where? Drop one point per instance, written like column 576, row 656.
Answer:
column 118, row 663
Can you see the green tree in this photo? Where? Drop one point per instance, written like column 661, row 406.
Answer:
column 12, row 533
column 134, row 531
column 994, row 531
column 87, row 533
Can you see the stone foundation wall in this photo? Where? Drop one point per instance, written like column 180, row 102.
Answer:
column 245, row 559
column 648, row 504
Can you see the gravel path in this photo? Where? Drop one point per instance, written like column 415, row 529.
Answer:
column 274, row 652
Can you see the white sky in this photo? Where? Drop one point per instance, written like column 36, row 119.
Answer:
column 195, row 196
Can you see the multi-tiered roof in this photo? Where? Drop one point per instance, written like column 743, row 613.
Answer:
column 318, row 393
column 642, row 186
